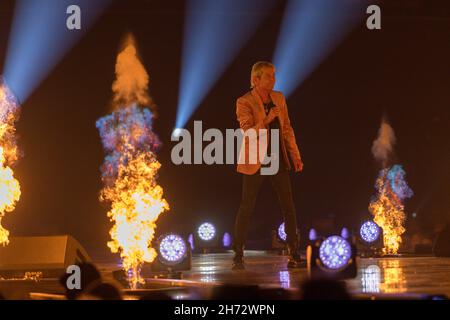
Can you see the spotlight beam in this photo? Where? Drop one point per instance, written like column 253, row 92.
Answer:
column 311, row 29
column 215, row 31
column 39, row 39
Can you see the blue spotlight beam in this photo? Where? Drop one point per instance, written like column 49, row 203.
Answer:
column 215, row 31
column 39, row 39
column 311, row 29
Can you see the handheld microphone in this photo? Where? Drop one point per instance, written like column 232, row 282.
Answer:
column 270, row 106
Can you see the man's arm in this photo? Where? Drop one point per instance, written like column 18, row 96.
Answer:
column 289, row 136
column 245, row 116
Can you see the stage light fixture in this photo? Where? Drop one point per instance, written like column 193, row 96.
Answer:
column 207, row 238
column 370, row 240
column 226, row 240
column 282, row 233
column 279, row 239
column 206, row 231
column 174, row 255
column 191, row 241
column 172, row 249
column 333, row 256
column 335, row 252
column 369, row 231
column 312, row 235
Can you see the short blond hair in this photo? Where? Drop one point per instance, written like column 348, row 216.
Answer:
column 257, row 70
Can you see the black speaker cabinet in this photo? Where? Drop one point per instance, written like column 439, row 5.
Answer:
column 50, row 256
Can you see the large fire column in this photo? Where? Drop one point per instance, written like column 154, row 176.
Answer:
column 387, row 206
column 9, row 154
column 130, row 168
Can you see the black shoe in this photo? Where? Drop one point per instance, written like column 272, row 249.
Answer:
column 238, row 263
column 296, row 262
column 238, row 266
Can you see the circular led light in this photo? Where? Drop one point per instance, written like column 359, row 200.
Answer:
column 282, row 232
column 226, row 240
column 369, row 231
column 206, row 231
column 172, row 248
column 335, row 252
column 312, row 235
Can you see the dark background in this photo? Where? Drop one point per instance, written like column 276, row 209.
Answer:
column 402, row 71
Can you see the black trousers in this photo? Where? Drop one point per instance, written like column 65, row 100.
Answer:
column 251, row 184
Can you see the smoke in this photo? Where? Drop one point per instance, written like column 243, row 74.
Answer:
column 132, row 80
column 383, row 146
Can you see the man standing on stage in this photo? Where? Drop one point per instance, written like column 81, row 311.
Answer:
column 264, row 108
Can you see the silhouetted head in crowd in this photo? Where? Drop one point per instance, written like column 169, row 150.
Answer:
column 235, row 292
column 324, row 289
column 90, row 278
column 158, row 295
column 103, row 291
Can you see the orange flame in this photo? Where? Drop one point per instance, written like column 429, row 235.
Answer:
column 137, row 202
column 9, row 186
column 131, row 167
column 394, row 279
column 389, row 214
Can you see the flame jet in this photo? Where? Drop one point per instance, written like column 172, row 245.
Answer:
column 130, row 167
column 391, row 191
column 9, row 154
column 387, row 206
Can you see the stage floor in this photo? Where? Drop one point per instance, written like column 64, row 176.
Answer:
column 405, row 276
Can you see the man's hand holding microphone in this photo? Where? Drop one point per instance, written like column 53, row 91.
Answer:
column 273, row 113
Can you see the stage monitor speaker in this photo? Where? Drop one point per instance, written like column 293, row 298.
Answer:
column 46, row 257
column 442, row 244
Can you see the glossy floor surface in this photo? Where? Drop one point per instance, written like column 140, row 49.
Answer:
column 397, row 276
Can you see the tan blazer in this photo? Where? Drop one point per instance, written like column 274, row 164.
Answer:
column 250, row 114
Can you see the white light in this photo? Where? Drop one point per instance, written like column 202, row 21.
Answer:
column 335, row 252
column 344, row 233
column 285, row 279
column 206, row 231
column 371, row 278
column 282, row 232
column 369, row 231
column 226, row 240
column 312, row 235
column 172, row 248
column 191, row 241
column 177, row 132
